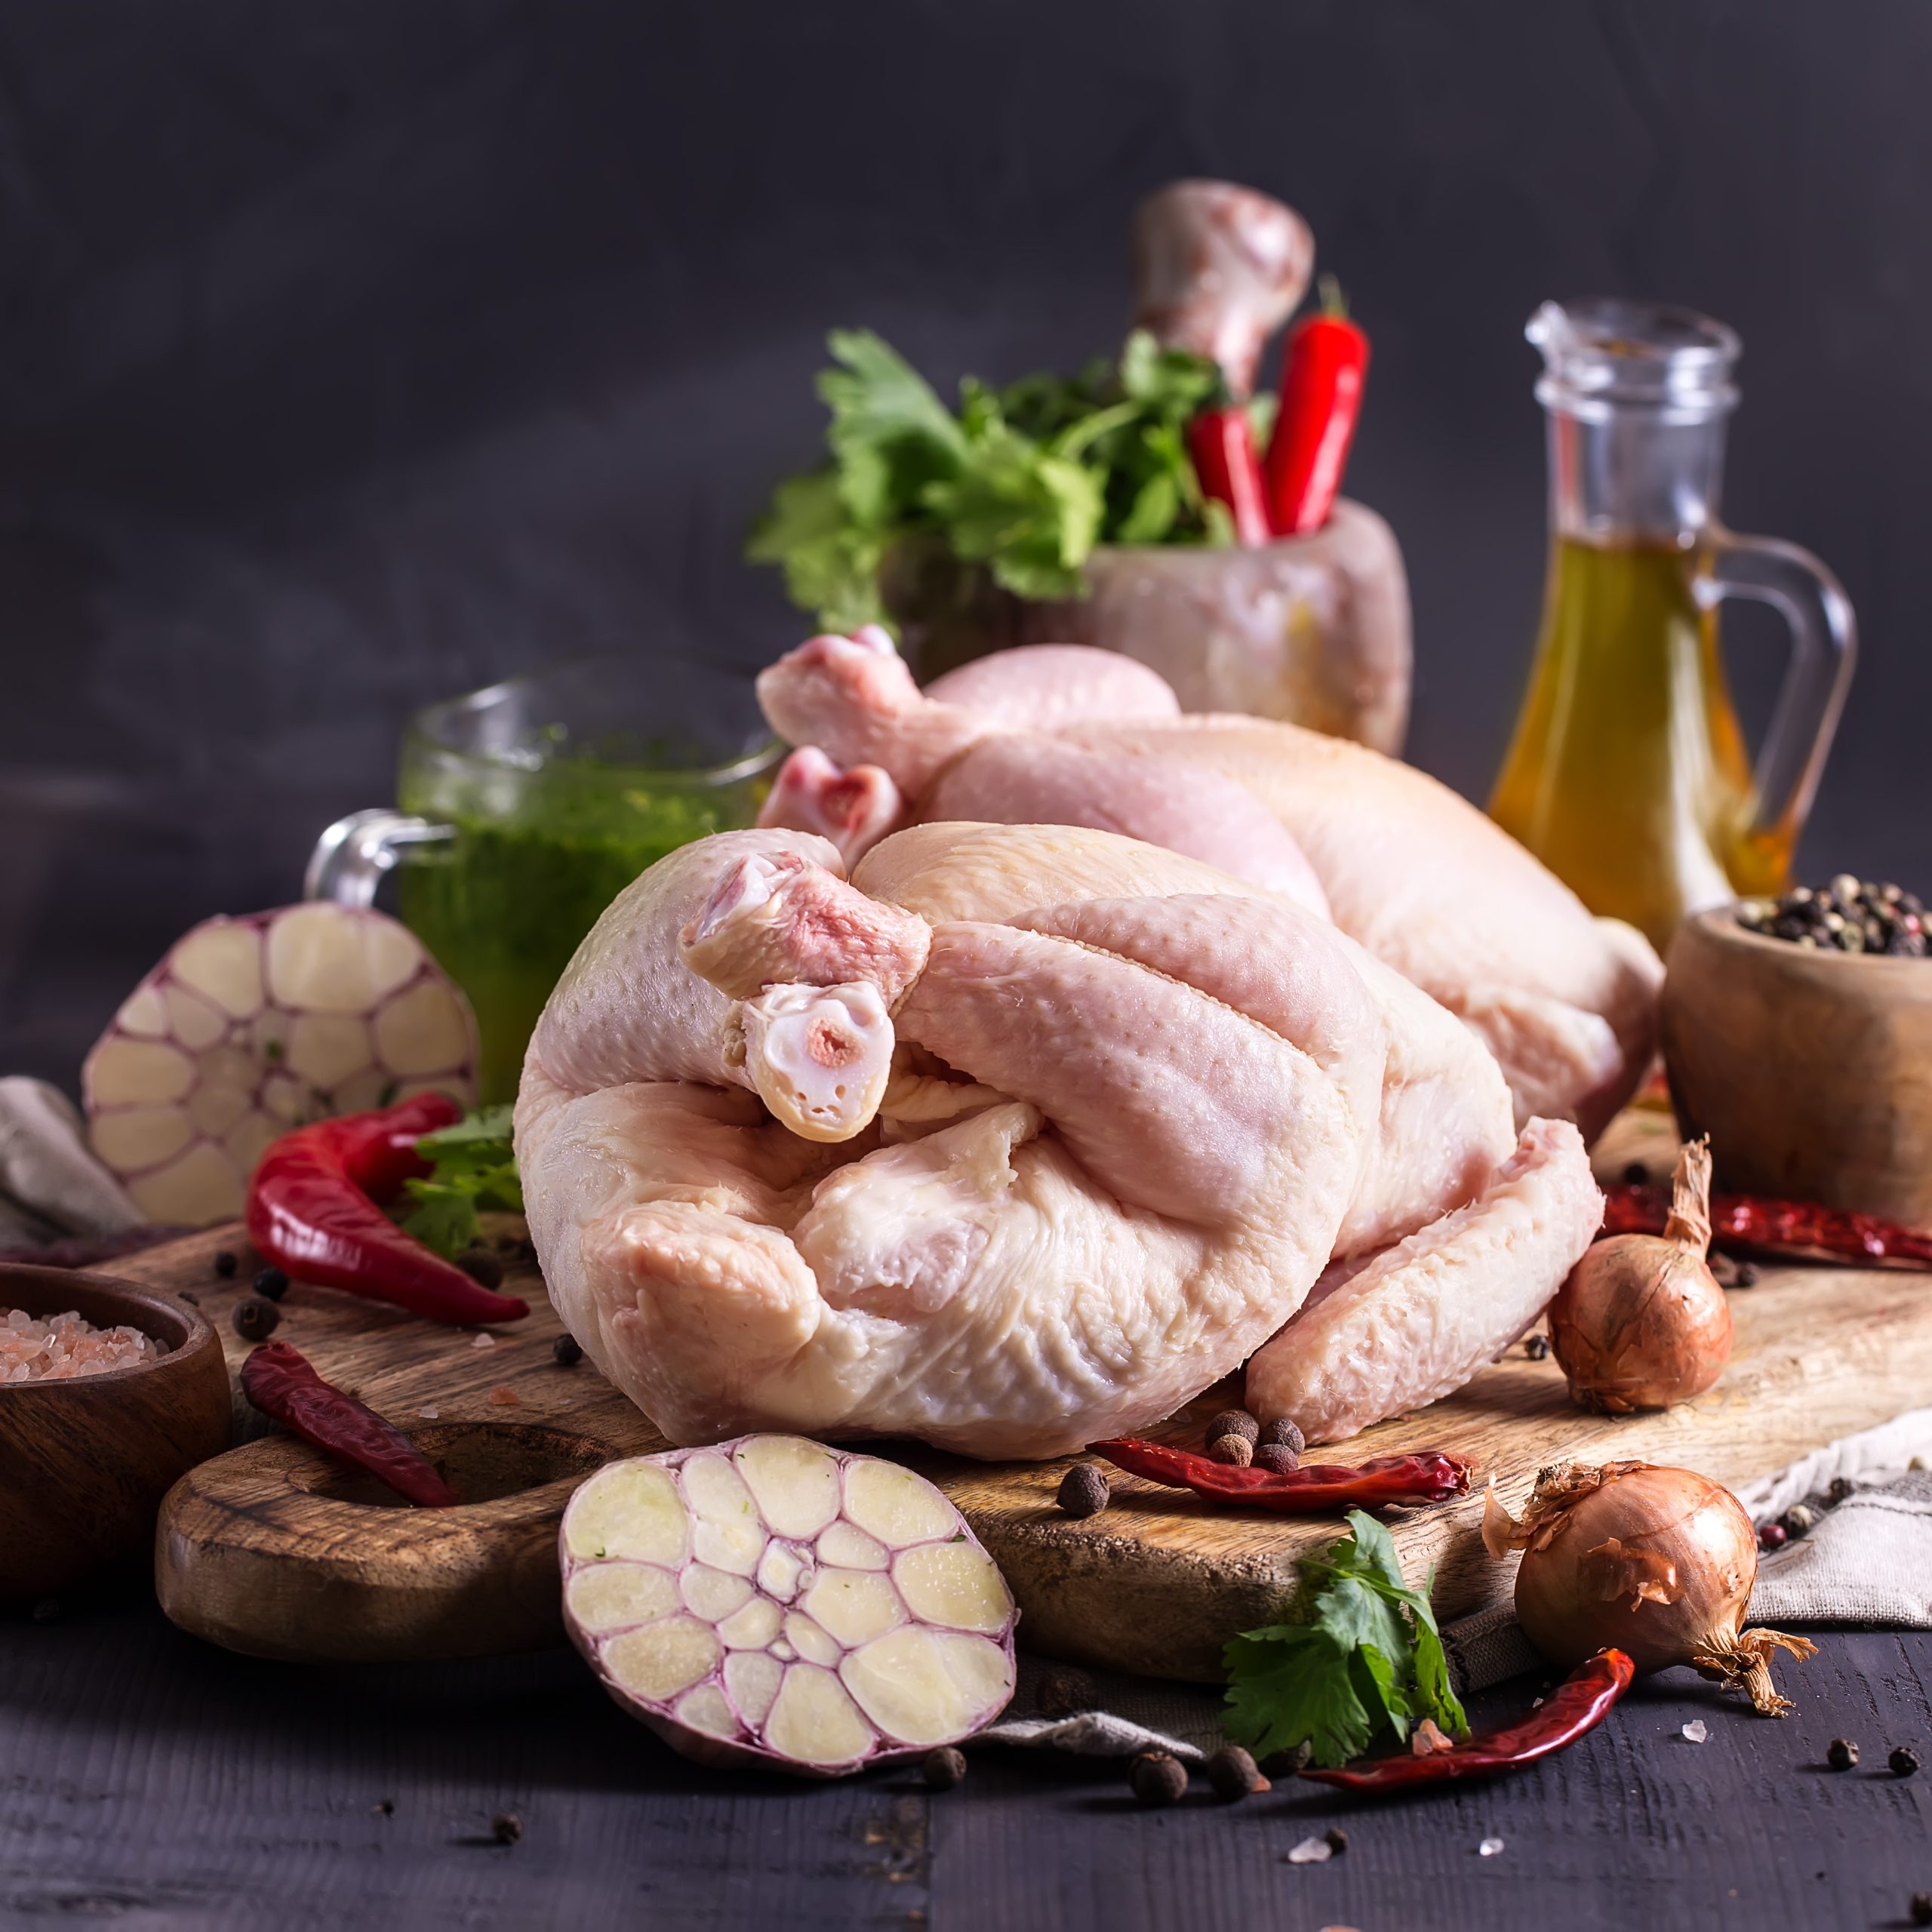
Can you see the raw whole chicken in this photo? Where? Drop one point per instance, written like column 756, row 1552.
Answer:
column 1021, row 1137
column 1567, row 1003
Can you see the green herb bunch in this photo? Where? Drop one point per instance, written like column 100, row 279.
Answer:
column 473, row 1168
column 1358, row 1662
column 1026, row 479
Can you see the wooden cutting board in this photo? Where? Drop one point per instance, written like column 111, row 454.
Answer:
column 270, row 1549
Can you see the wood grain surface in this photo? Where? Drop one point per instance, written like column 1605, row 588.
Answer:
column 270, row 1549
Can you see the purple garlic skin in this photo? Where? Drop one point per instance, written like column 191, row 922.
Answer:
column 770, row 1602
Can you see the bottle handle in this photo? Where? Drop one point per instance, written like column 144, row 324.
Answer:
column 351, row 856
column 1824, row 648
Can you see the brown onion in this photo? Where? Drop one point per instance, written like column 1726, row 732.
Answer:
column 1658, row 1562
column 1642, row 1323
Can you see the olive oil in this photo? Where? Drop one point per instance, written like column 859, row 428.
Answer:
column 1628, row 775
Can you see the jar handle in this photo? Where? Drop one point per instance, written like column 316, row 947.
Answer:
column 1824, row 648
column 351, row 856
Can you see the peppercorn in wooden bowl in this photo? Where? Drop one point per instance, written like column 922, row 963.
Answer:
column 85, row 1459
column 1810, row 1067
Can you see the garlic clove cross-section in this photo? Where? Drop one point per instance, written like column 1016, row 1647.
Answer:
column 860, row 1619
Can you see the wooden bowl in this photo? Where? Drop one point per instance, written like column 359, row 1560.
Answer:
column 1810, row 1071
column 85, row 1462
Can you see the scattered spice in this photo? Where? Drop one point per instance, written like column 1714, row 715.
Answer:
column 1800, row 1227
column 1641, row 1322
column 430, row 1413
column 942, row 1769
column 1277, row 1457
column 226, row 1263
column 1286, row 1764
column 1284, row 1433
column 1336, row 1839
column 1841, row 1487
column 1312, row 1851
column 1425, row 1475
column 482, row 1266
column 505, row 1396
column 384, row 1807
column 507, row 1828
column 1234, row 1775
column 1747, row 1274
column 190, row 1297
column 48, row 1610
column 1658, row 1562
column 1084, row 1490
column 483, row 1339
column 1489, row 1848
column 567, row 1350
column 1635, row 1173
column 1234, row 1422
column 271, row 1282
column 1798, row 1519
column 1536, row 1347
column 1904, row 1761
column 282, row 1382
column 1841, row 1754
column 1065, row 1690
column 1157, row 1778
column 1237, row 1451
column 1922, row 1907
column 1428, row 1738
column 1696, row 1731
column 255, row 1319
column 1851, row 914
column 62, row 1347
column 1773, row 1536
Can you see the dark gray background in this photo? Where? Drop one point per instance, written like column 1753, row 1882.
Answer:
column 352, row 355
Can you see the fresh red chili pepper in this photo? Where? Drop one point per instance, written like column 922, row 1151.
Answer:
column 281, row 1382
column 1322, row 370
column 311, row 1211
column 1221, row 442
column 1574, row 1709
column 1429, row 1475
column 1761, row 1222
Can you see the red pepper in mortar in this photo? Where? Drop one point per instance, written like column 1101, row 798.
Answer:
column 1427, row 1475
column 282, row 1382
column 1221, row 442
column 1574, row 1709
column 313, row 1211
column 1800, row 1227
column 1322, row 370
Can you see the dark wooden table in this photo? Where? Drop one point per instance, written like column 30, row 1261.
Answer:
column 150, row 1781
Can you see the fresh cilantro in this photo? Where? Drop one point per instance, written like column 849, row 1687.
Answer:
column 1026, row 480
column 1360, row 1660
column 472, row 1167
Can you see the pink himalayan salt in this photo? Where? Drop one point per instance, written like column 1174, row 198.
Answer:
column 64, row 1346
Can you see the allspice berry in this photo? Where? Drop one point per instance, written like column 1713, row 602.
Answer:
column 1234, row 1775
column 942, row 1769
column 1065, row 1690
column 256, row 1320
column 1233, row 1421
column 1278, row 1458
column 1283, row 1433
column 1235, row 1449
column 1157, row 1778
column 1904, row 1761
column 482, row 1266
column 507, row 1827
column 1084, row 1490
column 1841, row 1754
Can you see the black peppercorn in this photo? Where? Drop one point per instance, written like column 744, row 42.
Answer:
column 942, row 1769
column 1286, row 1764
column 1746, row 1276
column 256, row 1320
column 384, row 1807
column 1536, row 1347
column 225, row 1263
column 272, row 1283
column 1841, row 1754
column 1336, row 1839
column 1277, row 1457
column 566, row 1351
column 1922, row 1907
column 47, row 1610
column 1904, row 1761
column 1283, row 1433
column 1635, row 1174
column 507, row 1827
column 1841, row 1486
column 1064, row 1691
column 1233, row 1773
column 1157, row 1778
column 1084, row 1490
column 482, row 1266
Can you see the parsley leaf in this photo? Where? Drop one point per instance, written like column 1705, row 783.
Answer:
column 473, row 1167
column 1363, row 1658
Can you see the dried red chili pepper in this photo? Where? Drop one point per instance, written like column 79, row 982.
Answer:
column 312, row 1210
column 1575, row 1707
column 281, row 1382
column 1322, row 370
column 1221, row 442
column 1763, row 1223
column 1428, row 1476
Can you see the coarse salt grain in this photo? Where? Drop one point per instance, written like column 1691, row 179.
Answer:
column 429, row 1414
column 1489, row 1848
column 505, row 1393
column 1311, row 1851
column 484, row 1341
column 1696, row 1731
column 63, row 1346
